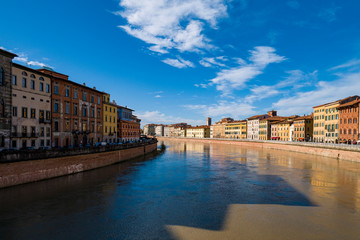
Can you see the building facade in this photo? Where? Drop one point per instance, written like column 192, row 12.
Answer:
column 76, row 112
column 31, row 108
column 159, row 130
column 128, row 125
column 5, row 97
column 219, row 128
column 349, row 122
column 253, row 126
column 110, row 120
column 303, row 129
column 198, row 132
column 149, row 129
column 236, row 130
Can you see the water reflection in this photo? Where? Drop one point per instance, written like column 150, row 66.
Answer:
column 192, row 184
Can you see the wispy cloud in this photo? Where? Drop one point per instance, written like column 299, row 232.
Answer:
column 293, row 4
column 157, row 96
column 178, row 63
column 349, row 64
column 328, row 14
column 235, row 78
column 172, row 24
column 161, row 118
column 296, row 79
column 214, row 61
column 325, row 91
column 236, row 109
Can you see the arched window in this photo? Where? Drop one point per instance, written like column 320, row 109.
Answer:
column 1, row 76
column 41, row 78
column 24, row 73
column 355, row 120
column 344, row 121
column 350, row 121
column 32, row 76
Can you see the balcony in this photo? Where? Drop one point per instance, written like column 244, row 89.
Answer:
column 330, row 130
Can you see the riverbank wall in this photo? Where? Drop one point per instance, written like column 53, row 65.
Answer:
column 16, row 173
column 340, row 152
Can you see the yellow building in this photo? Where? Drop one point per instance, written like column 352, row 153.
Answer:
column 109, row 119
column 198, row 132
column 235, row 130
column 283, row 130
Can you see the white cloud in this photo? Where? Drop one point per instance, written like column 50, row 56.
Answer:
column 178, row 63
column 25, row 60
column 302, row 102
column 235, row 78
column 235, row 109
column 214, row 61
column 351, row 63
column 296, row 80
column 171, row 24
column 161, row 118
column 157, row 96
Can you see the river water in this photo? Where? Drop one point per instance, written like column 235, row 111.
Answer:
column 192, row 191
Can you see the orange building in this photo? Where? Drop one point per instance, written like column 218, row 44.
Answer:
column 303, row 128
column 349, row 121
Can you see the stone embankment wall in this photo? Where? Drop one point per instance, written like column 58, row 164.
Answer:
column 35, row 170
column 333, row 151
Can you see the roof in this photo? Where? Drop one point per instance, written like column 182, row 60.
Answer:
column 357, row 101
column 304, row 117
column 30, row 69
column 203, row 126
column 235, row 122
column 337, row 101
column 275, row 118
column 8, row 54
column 124, row 107
column 257, row 116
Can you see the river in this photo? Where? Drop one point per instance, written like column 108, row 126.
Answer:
column 192, row 191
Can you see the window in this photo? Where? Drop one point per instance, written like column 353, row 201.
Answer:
column 56, row 107
column 32, row 84
column 84, row 112
column 41, row 115
column 92, row 98
column 48, row 132
column 15, row 111
column 84, row 96
column 48, row 88
column 41, row 87
column 24, row 82
column 349, row 131
column 75, row 94
column 67, row 108
column 32, row 113
column 24, row 112
column 56, row 126
column 47, row 115
column 350, row 120
column 67, row 92
column 1, row 76
column 355, row 120
column 98, row 100
column 14, row 80
column 41, row 78
column 92, row 112
column 75, row 109
column 42, row 132
column 56, row 89
column 344, row 121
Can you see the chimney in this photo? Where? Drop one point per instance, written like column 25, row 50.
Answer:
column 84, row 84
column 94, row 88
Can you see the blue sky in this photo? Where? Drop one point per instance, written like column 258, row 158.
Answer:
column 185, row 60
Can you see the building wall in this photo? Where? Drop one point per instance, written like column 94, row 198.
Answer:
column 263, row 130
column 198, row 132
column 76, row 112
column 283, row 131
column 233, row 130
column 219, row 130
column 110, row 118
column 5, row 97
column 128, row 130
column 303, row 129
column 159, row 131
column 31, row 108
column 349, row 132
column 253, row 129
column 326, row 123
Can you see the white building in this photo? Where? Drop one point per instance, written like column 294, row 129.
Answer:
column 159, row 130
column 149, row 129
column 253, row 124
column 166, row 131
